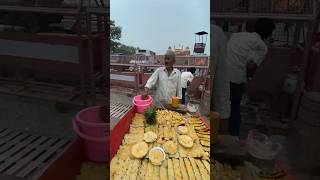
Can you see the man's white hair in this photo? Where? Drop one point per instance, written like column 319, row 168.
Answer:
column 170, row 53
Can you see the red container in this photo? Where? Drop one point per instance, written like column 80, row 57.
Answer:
column 138, row 100
column 95, row 147
column 91, row 123
column 90, row 126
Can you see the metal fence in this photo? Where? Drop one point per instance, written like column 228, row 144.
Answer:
column 56, row 3
column 286, row 34
column 159, row 60
column 264, row 6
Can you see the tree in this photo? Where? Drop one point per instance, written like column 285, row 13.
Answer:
column 115, row 45
column 115, row 35
column 125, row 49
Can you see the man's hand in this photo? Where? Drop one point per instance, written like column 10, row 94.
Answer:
column 188, row 83
column 251, row 69
column 144, row 95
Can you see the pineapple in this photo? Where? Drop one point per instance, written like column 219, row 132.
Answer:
column 150, row 115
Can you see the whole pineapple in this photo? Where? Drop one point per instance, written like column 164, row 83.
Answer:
column 150, row 115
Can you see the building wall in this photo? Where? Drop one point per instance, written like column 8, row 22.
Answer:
column 41, row 51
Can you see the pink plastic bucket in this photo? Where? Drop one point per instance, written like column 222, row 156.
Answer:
column 141, row 107
column 91, row 123
column 96, row 148
column 138, row 100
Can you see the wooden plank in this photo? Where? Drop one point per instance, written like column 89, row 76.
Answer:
column 114, row 109
column 1, row 130
column 19, row 155
column 17, row 147
column 9, row 137
column 112, row 104
column 7, row 177
column 40, row 159
column 22, row 162
column 121, row 110
column 12, row 142
column 128, row 107
column 118, row 113
column 118, row 110
column 117, row 107
column 125, row 111
column 5, row 132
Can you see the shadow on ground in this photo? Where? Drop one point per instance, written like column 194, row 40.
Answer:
column 35, row 115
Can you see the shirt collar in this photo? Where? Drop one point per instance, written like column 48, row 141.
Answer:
column 174, row 70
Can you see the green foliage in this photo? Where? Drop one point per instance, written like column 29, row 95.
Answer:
column 124, row 49
column 115, row 31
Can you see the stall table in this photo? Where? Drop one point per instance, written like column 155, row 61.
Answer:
column 122, row 127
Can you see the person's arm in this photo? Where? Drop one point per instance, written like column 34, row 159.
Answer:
column 179, row 89
column 255, row 58
column 251, row 69
column 190, row 79
column 150, row 83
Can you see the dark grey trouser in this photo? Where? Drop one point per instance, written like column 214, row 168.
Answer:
column 236, row 93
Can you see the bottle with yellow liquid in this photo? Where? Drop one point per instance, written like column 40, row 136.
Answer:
column 175, row 101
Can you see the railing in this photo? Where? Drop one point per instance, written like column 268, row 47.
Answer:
column 202, row 61
column 56, row 3
column 158, row 65
column 294, row 7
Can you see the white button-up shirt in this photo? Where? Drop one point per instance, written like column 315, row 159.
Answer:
column 220, row 92
column 167, row 85
column 242, row 48
column 185, row 77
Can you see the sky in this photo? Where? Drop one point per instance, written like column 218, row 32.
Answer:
column 157, row 24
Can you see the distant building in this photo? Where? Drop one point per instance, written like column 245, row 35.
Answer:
column 145, row 52
column 181, row 51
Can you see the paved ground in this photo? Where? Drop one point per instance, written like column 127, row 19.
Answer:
column 35, row 115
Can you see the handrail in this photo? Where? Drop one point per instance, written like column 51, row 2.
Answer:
column 289, row 17
column 156, row 65
column 49, row 10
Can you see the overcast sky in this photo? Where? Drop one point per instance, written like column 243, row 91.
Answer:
column 157, row 24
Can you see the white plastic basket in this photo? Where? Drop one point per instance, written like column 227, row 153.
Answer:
column 261, row 147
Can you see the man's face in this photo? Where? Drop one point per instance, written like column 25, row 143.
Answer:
column 169, row 61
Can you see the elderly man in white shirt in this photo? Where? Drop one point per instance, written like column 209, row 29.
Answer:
column 186, row 79
column 167, row 80
column 245, row 52
column 220, row 91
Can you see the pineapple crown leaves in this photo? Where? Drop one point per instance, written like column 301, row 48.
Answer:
column 150, row 114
